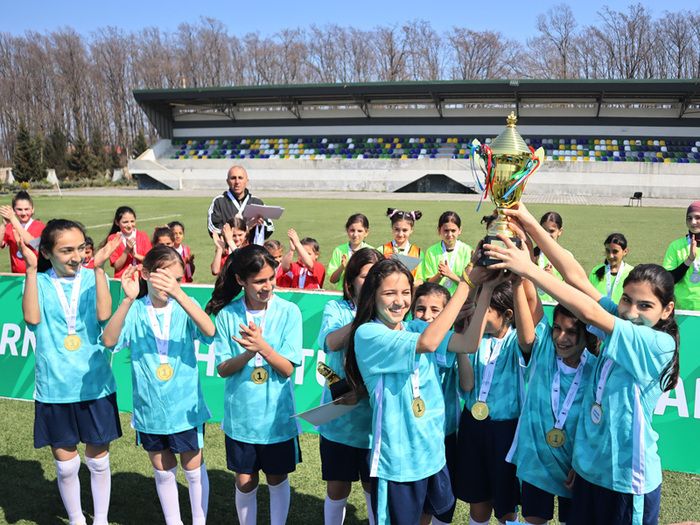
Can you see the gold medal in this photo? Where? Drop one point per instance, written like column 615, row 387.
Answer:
column 556, row 438
column 480, row 410
column 164, row 372
column 72, row 342
column 418, row 407
column 259, row 375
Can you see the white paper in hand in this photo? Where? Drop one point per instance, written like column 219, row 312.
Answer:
column 408, row 261
column 325, row 413
column 251, row 211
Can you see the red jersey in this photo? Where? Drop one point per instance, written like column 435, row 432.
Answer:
column 186, row 255
column 298, row 276
column 89, row 263
column 143, row 246
column 17, row 264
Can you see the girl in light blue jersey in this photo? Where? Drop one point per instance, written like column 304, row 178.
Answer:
column 258, row 345
column 396, row 364
column 345, row 441
column 618, row 469
column 489, row 419
column 428, row 301
column 64, row 306
column 159, row 323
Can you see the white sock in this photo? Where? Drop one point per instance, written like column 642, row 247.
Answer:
column 334, row 511
column 101, row 485
column 370, row 510
column 69, row 488
column 280, row 496
column 247, row 506
column 198, row 485
column 166, row 486
column 472, row 521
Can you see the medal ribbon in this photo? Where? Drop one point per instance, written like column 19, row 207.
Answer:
column 449, row 259
column 402, row 251
column 250, row 318
column 303, row 272
column 487, row 379
column 602, row 381
column 70, row 311
column 239, row 206
column 415, row 382
column 561, row 415
column 609, row 289
column 24, row 227
column 162, row 336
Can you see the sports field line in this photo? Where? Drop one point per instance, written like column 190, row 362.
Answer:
column 140, row 220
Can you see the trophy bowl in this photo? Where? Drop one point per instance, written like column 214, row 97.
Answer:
column 505, row 166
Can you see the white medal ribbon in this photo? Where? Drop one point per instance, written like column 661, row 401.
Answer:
column 24, row 227
column 402, row 251
column 70, row 311
column 561, row 415
column 250, row 318
column 695, row 277
column 605, row 372
column 162, row 336
column 490, row 368
column 303, row 272
column 415, row 382
column 239, row 206
column 609, row 289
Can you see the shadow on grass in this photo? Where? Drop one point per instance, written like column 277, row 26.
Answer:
column 29, row 496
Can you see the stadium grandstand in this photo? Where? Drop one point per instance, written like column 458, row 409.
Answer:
column 606, row 138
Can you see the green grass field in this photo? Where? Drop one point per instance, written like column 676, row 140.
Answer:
column 30, row 495
column 648, row 230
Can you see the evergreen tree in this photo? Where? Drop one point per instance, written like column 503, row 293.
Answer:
column 56, row 152
column 82, row 161
column 140, row 144
column 28, row 156
column 98, row 150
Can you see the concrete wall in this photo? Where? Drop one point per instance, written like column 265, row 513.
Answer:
column 614, row 179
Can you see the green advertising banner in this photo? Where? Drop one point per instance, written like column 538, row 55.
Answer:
column 676, row 417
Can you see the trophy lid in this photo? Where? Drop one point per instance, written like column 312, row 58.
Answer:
column 509, row 142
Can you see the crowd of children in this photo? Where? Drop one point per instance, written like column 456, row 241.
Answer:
column 462, row 388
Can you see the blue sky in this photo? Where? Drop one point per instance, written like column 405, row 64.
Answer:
column 513, row 18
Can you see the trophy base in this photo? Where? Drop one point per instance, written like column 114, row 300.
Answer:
column 484, row 260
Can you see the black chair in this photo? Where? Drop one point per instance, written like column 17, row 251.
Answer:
column 636, row 197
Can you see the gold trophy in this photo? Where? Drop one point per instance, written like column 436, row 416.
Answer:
column 505, row 166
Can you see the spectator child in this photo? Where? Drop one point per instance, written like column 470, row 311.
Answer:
column 135, row 244
column 682, row 261
column 357, row 229
column 88, row 260
column 233, row 236
column 306, row 272
column 608, row 278
column 185, row 252
column 19, row 218
column 163, row 236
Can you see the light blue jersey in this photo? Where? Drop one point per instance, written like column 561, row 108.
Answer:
column 508, row 387
column 260, row 413
column 620, row 453
column 404, row 447
column 175, row 405
column 538, row 463
column 63, row 376
column 449, row 380
column 354, row 428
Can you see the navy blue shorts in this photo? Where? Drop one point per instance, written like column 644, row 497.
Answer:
column 451, row 458
column 408, row 500
column 595, row 504
column 539, row 503
column 95, row 422
column 483, row 474
column 342, row 462
column 276, row 458
column 177, row 443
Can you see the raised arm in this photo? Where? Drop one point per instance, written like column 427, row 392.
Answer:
column 30, row 297
column 111, row 333
column 581, row 305
column 104, row 298
column 525, row 327
column 8, row 214
column 570, row 269
column 303, row 255
column 436, row 331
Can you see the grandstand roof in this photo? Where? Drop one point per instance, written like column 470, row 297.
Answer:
column 658, row 102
